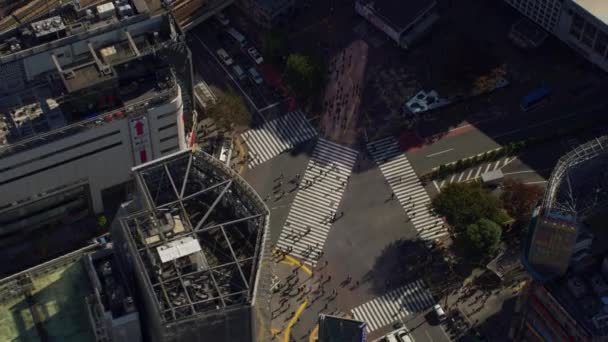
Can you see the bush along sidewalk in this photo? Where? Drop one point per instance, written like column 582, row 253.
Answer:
column 511, row 149
column 466, row 163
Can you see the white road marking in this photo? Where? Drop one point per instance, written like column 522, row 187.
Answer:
column 518, row 172
column 496, row 165
column 461, row 175
column 478, row 171
column 438, row 153
column 270, row 106
column 487, row 167
column 436, row 186
column 469, row 175
column 538, row 182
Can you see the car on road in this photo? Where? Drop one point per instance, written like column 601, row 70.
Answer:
column 237, row 36
column 224, row 57
column 255, row 76
column 439, row 313
column 221, row 18
column 238, row 71
column 255, row 55
column 403, row 335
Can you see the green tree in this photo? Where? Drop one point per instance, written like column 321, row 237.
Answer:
column 276, row 46
column 519, row 199
column 479, row 240
column 303, row 75
column 463, row 204
column 229, row 110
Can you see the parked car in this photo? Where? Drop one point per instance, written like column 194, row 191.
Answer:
column 255, row 55
column 221, row 18
column 238, row 71
column 255, row 76
column 225, row 57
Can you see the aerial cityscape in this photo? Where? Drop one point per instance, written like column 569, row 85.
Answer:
column 303, row 171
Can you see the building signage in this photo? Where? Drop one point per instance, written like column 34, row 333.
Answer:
column 140, row 140
column 368, row 14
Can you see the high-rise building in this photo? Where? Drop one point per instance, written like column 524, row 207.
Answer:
column 80, row 296
column 86, row 93
column 567, row 253
column 581, row 24
column 404, row 22
column 195, row 243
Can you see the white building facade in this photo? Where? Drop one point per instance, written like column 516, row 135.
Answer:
column 581, row 24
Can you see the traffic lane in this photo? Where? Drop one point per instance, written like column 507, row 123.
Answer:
column 230, row 80
column 423, row 331
column 215, row 39
column 464, row 143
column 471, row 140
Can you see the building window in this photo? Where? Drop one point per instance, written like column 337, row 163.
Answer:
column 589, row 34
column 600, row 43
column 578, row 21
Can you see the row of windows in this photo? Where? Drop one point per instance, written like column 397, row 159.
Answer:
column 589, row 35
column 67, row 161
column 62, row 150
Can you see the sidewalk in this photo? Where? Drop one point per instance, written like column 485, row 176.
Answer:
column 300, row 294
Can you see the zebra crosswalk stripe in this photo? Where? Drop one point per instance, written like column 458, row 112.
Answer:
column 277, row 136
column 321, row 189
column 407, row 188
column 381, row 311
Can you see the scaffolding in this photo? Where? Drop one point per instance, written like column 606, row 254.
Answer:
column 201, row 239
column 578, row 182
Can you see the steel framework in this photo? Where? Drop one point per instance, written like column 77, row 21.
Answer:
column 578, row 182
column 190, row 194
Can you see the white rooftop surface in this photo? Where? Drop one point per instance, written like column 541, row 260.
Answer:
column 178, row 248
column 597, row 8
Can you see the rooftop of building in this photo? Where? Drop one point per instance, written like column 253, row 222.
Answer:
column 200, row 238
column 46, row 302
column 399, row 14
column 583, row 295
column 41, row 21
column 40, row 112
column 597, row 8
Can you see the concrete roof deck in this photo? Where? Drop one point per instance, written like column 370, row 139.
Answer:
column 57, row 298
column 597, row 8
column 400, row 13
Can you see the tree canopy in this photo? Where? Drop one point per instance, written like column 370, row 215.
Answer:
column 463, row 204
column 479, row 240
column 519, row 199
column 276, row 46
column 303, row 75
column 229, row 110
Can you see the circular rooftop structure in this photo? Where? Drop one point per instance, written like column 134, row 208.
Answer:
column 579, row 181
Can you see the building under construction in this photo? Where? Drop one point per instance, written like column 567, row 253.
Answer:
column 194, row 241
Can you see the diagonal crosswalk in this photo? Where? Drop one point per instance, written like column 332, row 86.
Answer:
column 407, row 187
column 321, row 188
column 277, row 136
column 394, row 305
column 473, row 173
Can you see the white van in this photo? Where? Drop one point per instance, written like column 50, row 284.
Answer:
column 224, row 57
column 237, row 36
column 391, row 338
column 439, row 313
